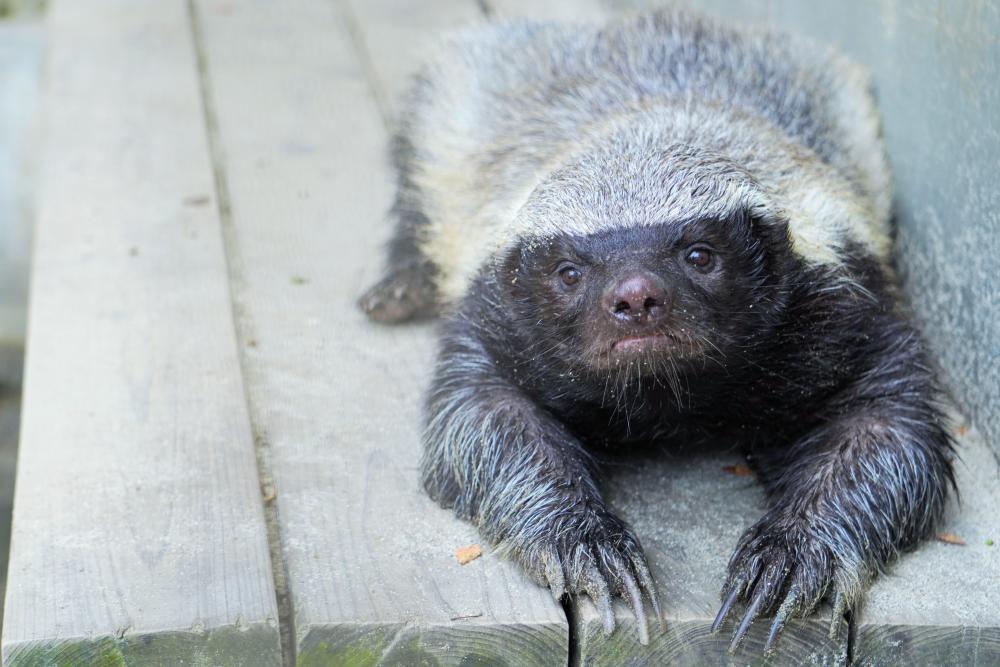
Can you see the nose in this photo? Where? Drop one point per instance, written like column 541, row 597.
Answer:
column 638, row 298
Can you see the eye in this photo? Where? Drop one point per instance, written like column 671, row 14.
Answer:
column 700, row 258
column 570, row 275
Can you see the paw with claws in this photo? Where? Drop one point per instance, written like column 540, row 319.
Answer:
column 781, row 569
column 408, row 293
column 601, row 559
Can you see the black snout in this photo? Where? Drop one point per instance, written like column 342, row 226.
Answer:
column 637, row 298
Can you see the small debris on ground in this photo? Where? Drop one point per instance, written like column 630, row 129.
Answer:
column 989, row 542
column 740, row 469
column 468, row 554
column 268, row 493
column 197, row 200
column 951, row 538
column 962, row 430
column 462, row 618
column 299, row 280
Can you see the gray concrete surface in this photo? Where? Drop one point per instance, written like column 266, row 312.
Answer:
column 936, row 67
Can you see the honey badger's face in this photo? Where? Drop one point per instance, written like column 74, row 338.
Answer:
column 657, row 298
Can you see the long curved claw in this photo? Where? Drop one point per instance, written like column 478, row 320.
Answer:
column 789, row 606
column 726, row 607
column 555, row 576
column 752, row 612
column 597, row 589
column 839, row 609
column 649, row 588
column 635, row 599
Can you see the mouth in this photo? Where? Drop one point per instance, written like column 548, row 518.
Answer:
column 640, row 343
column 636, row 343
column 636, row 351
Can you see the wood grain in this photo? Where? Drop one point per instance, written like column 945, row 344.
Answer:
column 138, row 534
column 336, row 400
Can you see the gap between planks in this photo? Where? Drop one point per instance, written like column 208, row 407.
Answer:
column 244, row 337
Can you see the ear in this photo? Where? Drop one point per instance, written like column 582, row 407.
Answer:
column 773, row 233
column 773, row 259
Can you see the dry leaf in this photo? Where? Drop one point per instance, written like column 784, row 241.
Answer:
column 268, row 493
column 468, row 554
column 951, row 538
column 740, row 469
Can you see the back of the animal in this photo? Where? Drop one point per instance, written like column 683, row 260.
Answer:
column 499, row 107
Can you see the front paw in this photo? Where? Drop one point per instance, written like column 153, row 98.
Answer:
column 599, row 556
column 407, row 293
column 780, row 568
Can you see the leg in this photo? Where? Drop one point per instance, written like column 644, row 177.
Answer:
column 848, row 496
column 407, row 291
column 504, row 463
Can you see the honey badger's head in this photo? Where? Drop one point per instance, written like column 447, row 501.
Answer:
column 648, row 296
column 655, row 264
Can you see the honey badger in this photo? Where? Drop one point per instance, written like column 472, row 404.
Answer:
column 663, row 229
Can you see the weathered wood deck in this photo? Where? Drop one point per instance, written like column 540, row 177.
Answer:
column 218, row 452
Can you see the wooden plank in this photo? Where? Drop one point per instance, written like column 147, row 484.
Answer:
column 138, row 532
column 370, row 559
column 939, row 604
